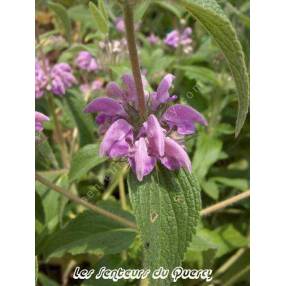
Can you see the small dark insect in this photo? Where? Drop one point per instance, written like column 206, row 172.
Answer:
column 147, row 244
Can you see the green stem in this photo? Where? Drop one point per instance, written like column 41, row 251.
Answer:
column 115, row 183
column 64, row 152
column 133, row 55
column 84, row 203
column 122, row 194
column 59, row 134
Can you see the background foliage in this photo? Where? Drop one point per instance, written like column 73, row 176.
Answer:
column 68, row 235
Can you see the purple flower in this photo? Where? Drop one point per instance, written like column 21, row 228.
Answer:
column 153, row 39
column 90, row 87
column 183, row 118
column 56, row 79
column 175, row 156
column 141, row 162
column 185, row 38
column 178, row 38
column 173, row 39
column 120, row 25
column 39, row 119
column 86, row 61
column 159, row 138
column 61, row 78
column 41, row 80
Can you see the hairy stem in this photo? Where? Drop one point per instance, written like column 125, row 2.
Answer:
column 133, row 55
column 225, row 203
column 84, row 203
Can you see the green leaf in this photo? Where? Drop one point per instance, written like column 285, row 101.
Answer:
column 84, row 122
column 172, row 7
column 208, row 151
column 212, row 18
column 237, row 183
column 166, row 206
column 102, row 9
column 211, row 188
column 45, row 157
column 200, row 243
column 50, row 201
column 140, row 9
column 111, row 262
column 84, row 160
column 226, row 238
column 39, row 209
column 203, row 74
column 46, row 281
column 82, row 14
column 63, row 17
column 99, row 18
column 89, row 232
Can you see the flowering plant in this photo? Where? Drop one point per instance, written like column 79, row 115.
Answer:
column 135, row 141
column 158, row 138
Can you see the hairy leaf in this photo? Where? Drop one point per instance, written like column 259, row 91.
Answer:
column 166, row 206
column 212, row 18
column 89, row 232
column 84, row 160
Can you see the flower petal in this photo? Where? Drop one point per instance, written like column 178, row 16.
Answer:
column 175, row 156
column 163, row 88
column 183, row 118
column 141, row 163
column 114, row 91
column 162, row 94
column 115, row 141
column 129, row 82
column 173, row 39
column 155, row 135
column 106, row 105
column 39, row 119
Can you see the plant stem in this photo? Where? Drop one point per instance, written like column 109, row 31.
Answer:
column 59, row 134
column 122, row 194
column 64, row 152
column 225, row 203
column 133, row 55
column 230, row 261
column 84, row 203
column 113, row 186
column 124, row 221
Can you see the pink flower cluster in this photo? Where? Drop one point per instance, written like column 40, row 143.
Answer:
column 56, row 79
column 159, row 138
column 39, row 119
column 178, row 38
